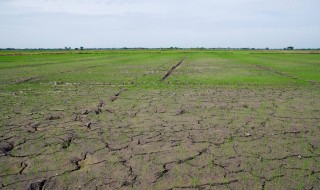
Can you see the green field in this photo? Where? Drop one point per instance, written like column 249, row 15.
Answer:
column 107, row 120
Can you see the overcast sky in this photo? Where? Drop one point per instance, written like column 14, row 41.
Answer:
column 159, row 23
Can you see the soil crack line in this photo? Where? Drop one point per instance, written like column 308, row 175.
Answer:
column 172, row 69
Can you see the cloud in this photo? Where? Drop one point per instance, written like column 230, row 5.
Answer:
column 158, row 22
column 120, row 7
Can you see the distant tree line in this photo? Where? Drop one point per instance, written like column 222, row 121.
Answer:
column 162, row 48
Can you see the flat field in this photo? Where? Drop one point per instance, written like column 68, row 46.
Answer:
column 173, row 119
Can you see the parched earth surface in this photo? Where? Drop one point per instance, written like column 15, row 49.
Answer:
column 110, row 137
column 159, row 120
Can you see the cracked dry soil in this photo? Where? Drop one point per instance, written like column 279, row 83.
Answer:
column 114, row 138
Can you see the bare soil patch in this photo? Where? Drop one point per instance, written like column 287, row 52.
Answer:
column 156, row 139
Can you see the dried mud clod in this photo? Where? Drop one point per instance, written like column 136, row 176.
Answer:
column 101, row 104
column 37, row 185
column 53, row 117
column 131, row 180
column 97, row 111
column 67, row 141
column 110, row 110
column 161, row 174
column 85, row 112
column 34, row 126
column 6, row 147
column 23, row 165
column 161, row 110
column 113, row 98
column 76, row 117
column 116, row 95
column 88, row 125
column 181, row 111
column 76, row 161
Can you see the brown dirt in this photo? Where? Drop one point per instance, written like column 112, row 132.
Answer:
column 217, row 138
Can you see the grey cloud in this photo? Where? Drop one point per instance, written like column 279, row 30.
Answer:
column 154, row 23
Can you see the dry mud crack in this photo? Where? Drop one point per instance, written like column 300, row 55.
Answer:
column 217, row 138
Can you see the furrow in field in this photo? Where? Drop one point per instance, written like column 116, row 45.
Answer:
column 172, row 69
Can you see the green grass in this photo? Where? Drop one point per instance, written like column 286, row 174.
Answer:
column 146, row 68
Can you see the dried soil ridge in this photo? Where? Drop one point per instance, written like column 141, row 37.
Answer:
column 172, row 69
